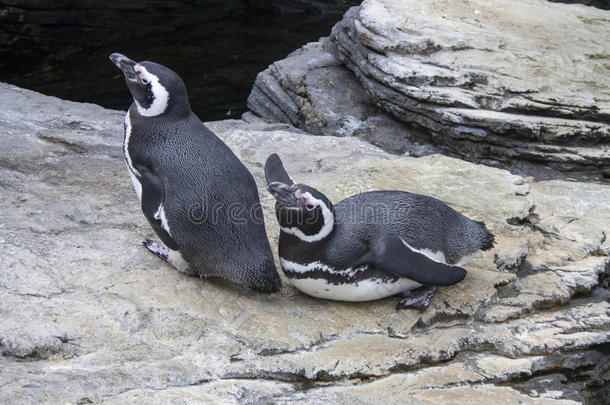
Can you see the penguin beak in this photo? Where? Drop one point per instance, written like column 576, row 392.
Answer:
column 125, row 64
column 283, row 193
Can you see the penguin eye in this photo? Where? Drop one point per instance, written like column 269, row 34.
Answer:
column 310, row 207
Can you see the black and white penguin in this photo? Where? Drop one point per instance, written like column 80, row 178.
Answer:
column 199, row 198
column 371, row 245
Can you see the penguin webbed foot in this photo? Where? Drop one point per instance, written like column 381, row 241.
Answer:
column 162, row 252
column 418, row 298
column 158, row 250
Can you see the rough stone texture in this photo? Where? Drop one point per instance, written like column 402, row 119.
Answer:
column 87, row 314
column 312, row 90
column 525, row 79
column 486, row 80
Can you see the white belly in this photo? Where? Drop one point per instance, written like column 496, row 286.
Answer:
column 365, row 290
column 134, row 179
column 347, row 288
column 136, row 184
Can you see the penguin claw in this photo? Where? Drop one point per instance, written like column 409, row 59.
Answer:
column 418, row 298
column 158, row 250
column 164, row 253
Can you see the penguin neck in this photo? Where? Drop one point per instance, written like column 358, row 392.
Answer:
column 292, row 247
column 324, row 232
column 173, row 112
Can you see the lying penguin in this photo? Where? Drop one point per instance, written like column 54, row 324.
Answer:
column 198, row 197
column 370, row 245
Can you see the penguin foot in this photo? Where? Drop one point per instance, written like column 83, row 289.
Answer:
column 418, row 298
column 158, row 250
column 171, row 257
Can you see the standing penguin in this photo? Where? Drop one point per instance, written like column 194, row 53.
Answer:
column 371, row 245
column 198, row 197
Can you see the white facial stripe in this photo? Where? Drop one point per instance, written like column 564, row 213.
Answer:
column 160, row 94
column 363, row 290
column 327, row 215
column 160, row 216
column 133, row 173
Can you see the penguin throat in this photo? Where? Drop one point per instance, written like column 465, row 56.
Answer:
column 327, row 216
column 160, row 95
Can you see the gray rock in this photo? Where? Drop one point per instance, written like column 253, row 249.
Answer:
column 478, row 79
column 312, row 90
column 526, row 81
column 88, row 315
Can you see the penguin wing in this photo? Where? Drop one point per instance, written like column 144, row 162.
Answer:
column 152, row 203
column 391, row 254
column 275, row 172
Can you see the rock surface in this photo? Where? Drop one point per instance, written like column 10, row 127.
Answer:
column 88, row 315
column 312, row 90
column 484, row 79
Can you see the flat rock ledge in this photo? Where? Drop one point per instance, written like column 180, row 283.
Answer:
column 88, row 315
column 484, row 80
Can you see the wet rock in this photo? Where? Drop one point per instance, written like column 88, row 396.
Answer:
column 89, row 315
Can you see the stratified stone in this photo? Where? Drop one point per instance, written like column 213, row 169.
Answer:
column 488, row 79
column 312, row 90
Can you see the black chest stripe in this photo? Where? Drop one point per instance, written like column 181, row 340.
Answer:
column 343, row 277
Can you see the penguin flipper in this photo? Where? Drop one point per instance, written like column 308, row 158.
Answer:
column 152, row 200
column 275, row 172
column 391, row 254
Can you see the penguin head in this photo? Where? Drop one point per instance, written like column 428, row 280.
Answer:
column 155, row 89
column 301, row 210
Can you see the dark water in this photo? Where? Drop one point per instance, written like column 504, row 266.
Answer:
column 603, row 4
column 218, row 61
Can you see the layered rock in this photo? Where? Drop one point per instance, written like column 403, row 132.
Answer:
column 484, row 79
column 89, row 315
column 312, row 90
column 525, row 80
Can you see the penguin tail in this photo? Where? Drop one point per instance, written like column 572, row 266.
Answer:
column 269, row 288
column 265, row 278
column 488, row 239
column 268, row 285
